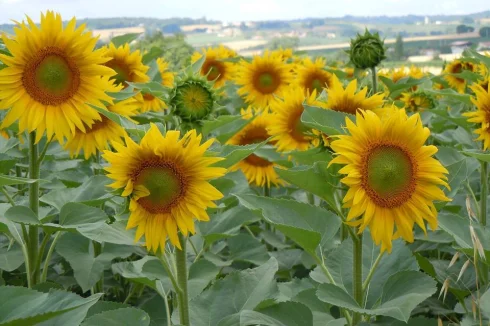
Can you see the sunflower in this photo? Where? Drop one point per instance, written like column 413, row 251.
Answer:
column 285, row 54
column 193, row 99
column 348, row 100
column 418, row 101
column 392, row 177
column 149, row 102
column 396, row 74
column 167, row 76
column 263, row 78
column 167, row 180
column 214, row 67
column 97, row 137
column 52, row 77
column 257, row 170
column 459, row 66
column 127, row 64
column 482, row 115
column 313, row 76
column 286, row 128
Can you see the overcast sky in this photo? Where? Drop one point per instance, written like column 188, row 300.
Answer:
column 236, row 10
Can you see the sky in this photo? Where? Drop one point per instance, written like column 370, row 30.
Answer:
column 235, row 10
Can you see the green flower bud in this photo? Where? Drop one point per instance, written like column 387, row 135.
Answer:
column 418, row 101
column 367, row 50
column 193, row 99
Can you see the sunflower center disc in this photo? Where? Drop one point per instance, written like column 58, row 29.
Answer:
column 123, row 74
column 266, row 82
column 390, row 179
column 317, row 84
column 51, row 78
column 214, row 70
column 298, row 129
column 148, row 97
column 165, row 186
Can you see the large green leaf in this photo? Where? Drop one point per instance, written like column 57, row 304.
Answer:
column 7, row 180
column 153, row 307
column 329, row 122
column 233, row 154
column 340, row 261
column 308, row 226
column 123, row 316
column 317, row 179
column 20, row 306
column 113, row 233
column 224, row 126
column 123, row 39
column 88, row 269
column 402, row 292
column 226, row 224
column 281, row 314
column 238, row 291
column 76, row 214
column 11, row 257
column 459, row 167
column 92, row 192
column 22, row 214
column 246, row 248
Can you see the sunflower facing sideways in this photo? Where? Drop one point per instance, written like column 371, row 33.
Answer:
column 263, row 78
column 214, row 67
column 127, row 64
column 52, row 77
column 312, row 75
column 286, row 128
column 458, row 66
column 101, row 133
column 392, row 177
column 348, row 100
column 257, row 170
column 482, row 114
column 167, row 75
column 167, row 180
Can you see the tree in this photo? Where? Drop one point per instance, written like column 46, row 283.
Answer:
column 468, row 20
column 464, row 29
column 399, row 51
column 176, row 51
column 485, row 31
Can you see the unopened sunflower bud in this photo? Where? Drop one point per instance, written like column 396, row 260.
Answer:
column 367, row 51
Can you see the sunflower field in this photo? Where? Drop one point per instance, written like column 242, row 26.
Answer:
column 276, row 190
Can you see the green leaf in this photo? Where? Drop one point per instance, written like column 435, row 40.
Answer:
column 339, row 263
column 402, row 292
column 154, row 88
column 329, row 122
column 485, row 303
column 22, row 214
column 75, row 214
column 87, row 269
column 317, row 179
column 92, row 192
column 114, row 117
column 11, row 257
column 102, row 306
column 233, row 154
column 281, row 314
column 123, row 39
column 224, row 126
column 238, row 291
column 154, row 53
column 7, row 180
column 153, row 307
column 451, row 94
column 226, row 224
column 459, row 167
column 123, row 316
column 308, row 226
column 112, row 233
column 20, row 306
column 480, row 156
column 246, row 248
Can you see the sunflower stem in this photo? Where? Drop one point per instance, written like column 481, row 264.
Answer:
column 375, row 80
column 99, row 286
column 357, row 281
column 484, row 193
column 181, row 262
column 33, row 239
